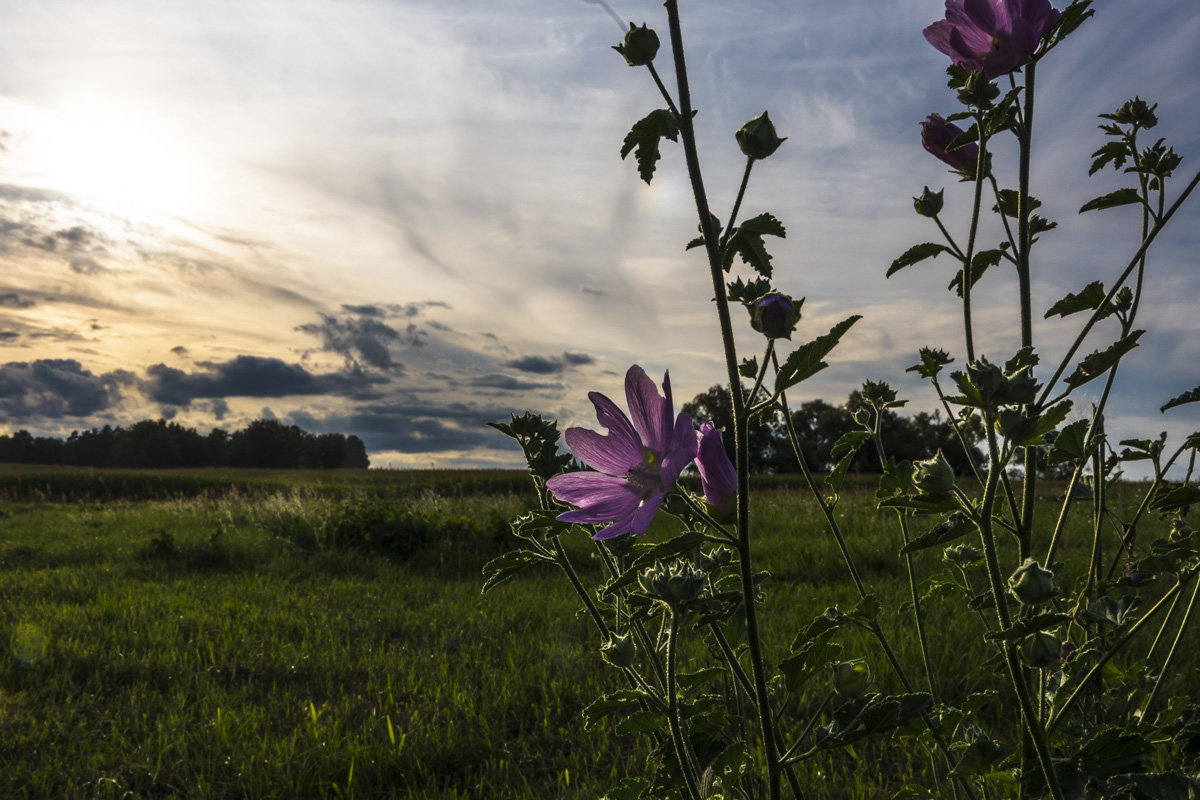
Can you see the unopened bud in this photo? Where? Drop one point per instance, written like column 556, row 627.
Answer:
column 640, row 45
column 1041, row 649
column 1031, row 584
column 851, row 678
column 929, row 204
column 934, row 476
column 758, row 138
column 618, row 651
column 774, row 315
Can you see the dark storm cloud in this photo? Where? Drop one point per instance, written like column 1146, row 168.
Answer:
column 543, row 365
column 249, row 376
column 414, row 428
column 55, row 388
column 507, row 383
column 361, row 340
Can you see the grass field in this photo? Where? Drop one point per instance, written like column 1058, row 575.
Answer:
column 271, row 635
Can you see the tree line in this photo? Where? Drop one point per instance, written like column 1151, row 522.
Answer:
column 820, row 424
column 159, row 444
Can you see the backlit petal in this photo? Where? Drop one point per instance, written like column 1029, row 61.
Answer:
column 611, row 454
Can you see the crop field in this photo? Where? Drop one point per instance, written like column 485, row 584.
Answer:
column 293, row 635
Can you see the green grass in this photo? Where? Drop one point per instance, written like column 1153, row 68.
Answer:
column 305, row 638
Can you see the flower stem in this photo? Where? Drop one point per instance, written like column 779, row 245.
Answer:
column 688, row 136
column 1166, row 667
column 686, row 767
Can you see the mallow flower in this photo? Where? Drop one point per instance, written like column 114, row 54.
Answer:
column 718, row 478
column 992, row 36
column 937, row 133
column 635, row 463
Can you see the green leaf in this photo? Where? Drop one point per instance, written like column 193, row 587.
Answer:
column 932, row 361
column 1098, row 363
column 1044, row 423
column 501, row 569
column 1023, row 627
column 1112, row 611
column 746, row 241
column 953, row 527
column 1069, row 445
column 806, row 360
column 812, row 658
column 979, row 265
column 640, row 721
column 844, row 450
column 621, row 701
column 916, row 253
column 831, row 620
column 1169, row 499
column 644, row 137
column 1121, row 197
column 1091, row 298
column 869, row 715
column 1190, row 396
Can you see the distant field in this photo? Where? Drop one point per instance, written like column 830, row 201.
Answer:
column 246, row 634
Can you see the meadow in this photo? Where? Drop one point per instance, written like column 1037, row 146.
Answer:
column 248, row 634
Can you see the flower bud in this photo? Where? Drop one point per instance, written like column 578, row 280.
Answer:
column 929, row 204
column 718, row 477
column 934, row 476
column 757, row 138
column 618, row 651
column 851, row 678
column 675, row 585
column 640, row 45
column 962, row 555
column 1040, row 649
column 1135, row 112
column 1031, row 584
column 774, row 315
column 713, row 561
column 937, row 134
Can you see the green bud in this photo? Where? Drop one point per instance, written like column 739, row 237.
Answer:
column 1031, row 584
column 962, row 555
column 675, row 585
column 774, row 315
column 640, row 45
column 851, row 678
column 619, row 651
column 757, row 138
column 929, row 204
column 1040, row 649
column 1135, row 112
column 713, row 561
column 934, row 476
column 1021, row 387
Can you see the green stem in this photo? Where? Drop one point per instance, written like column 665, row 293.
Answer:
column 686, row 767
column 1024, row 239
column 753, row 637
column 1166, row 667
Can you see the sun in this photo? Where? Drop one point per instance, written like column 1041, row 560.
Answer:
column 123, row 160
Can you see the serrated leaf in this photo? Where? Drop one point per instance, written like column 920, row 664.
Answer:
column 1069, row 445
column 953, row 527
column 806, row 360
column 644, row 138
column 1047, row 421
column 1091, row 298
column 503, row 568
column 932, row 361
column 812, row 657
column 1023, row 627
column 1100, row 362
column 1169, row 499
column 1121, row 197
column 979, row 265
column 916, row 253
column 1190, row 396
column 746, row 240
column 620, row 701
column 640, row 721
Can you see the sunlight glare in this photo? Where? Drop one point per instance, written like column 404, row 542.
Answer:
column 121, row 160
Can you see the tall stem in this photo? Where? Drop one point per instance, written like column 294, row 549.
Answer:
column 1025, row 244
column 688, row 136
column 686, row 767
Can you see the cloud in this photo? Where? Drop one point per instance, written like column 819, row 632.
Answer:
column 507, row 383
column 414, row 428
column 14, row 300
column 250, row 376
column 56, row 388
column 543, row 365
column 361, row 339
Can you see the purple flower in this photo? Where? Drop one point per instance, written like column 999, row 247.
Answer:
column 717, row 475
column 936, row 133
column 992, row 36
column 635, row 463
column 774, row 316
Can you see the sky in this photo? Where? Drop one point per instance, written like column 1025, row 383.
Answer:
column 403, row 219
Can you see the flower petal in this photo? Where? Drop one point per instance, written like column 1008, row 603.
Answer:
column 682, row 450
column 600, row 498
column 638, row 522
column 650, row 411
column 612, row 454
column 622, row 439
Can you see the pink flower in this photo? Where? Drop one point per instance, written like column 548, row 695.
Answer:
column 717, row 474
column 992, row 36
column 635, row 463
column 936, row 134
